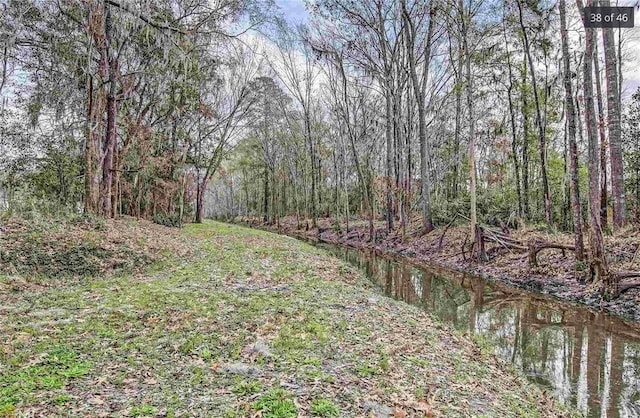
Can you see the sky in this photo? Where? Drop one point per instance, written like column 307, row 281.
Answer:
column 293, row 10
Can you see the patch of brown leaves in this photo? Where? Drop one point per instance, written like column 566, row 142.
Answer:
column 84, row 247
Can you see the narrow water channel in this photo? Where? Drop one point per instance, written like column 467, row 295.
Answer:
column 590, row 361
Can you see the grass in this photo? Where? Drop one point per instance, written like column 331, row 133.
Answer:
column 276, row 404
column 143, row 411
column 324, row 408
column 253, row 323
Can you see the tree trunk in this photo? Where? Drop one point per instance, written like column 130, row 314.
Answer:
column 419, row 90
column 112, row 113
column 525, row 146
column 312, row 150
column 200, row 205
column 406, row 184
column 472, row 128
column 336, row 186
column 397, row 191
column 613, row 115
column 458, row 121
column 115, row 189
column 109, row 150
column 573, row 148
column 603, row 138
column 598, row 260
column 541, row 133
column 201, row 188
column 566, row 197
column 512, row 118
column 91, row 157
column 265, row 207
column 389, row 165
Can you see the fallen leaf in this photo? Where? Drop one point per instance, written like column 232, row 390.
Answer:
column 399, row 413
column 151, row 381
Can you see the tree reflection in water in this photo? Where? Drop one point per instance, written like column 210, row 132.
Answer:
column 589, row 360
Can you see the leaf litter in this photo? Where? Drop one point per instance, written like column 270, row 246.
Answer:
column 244, row 323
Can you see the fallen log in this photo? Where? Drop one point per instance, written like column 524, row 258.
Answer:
column 622, row 286
column 504, row 240
column 464, row 244
column 536, row 247
column 440, row 240
column 481, row 254
column 484, row 234
column 626, row 275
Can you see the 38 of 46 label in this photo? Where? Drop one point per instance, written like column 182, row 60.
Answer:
column 609, row 17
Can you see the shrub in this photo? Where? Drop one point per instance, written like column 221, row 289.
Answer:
column 168, row 219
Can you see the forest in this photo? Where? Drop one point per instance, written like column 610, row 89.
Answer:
column 478, row 161
column 414, row 114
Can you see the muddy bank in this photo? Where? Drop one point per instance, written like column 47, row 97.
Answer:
column 555, row 275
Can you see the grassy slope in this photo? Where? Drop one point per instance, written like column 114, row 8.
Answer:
column 181, row 339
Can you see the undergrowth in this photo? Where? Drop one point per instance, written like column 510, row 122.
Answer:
column 79, row 246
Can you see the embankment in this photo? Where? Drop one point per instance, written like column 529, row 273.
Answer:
column 251, row 323
column 557, row 273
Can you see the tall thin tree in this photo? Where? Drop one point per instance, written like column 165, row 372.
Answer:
column 571, row 131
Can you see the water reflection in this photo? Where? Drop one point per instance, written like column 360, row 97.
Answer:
column 591, row 361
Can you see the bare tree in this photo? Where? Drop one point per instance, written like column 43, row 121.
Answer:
column 571, row 132
column 419, row 91
column 542, row 138
column 614, row 127
column 598, row 261
column 295, row 68
column 224, row 106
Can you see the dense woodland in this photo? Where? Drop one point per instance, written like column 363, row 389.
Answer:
column 480, row 111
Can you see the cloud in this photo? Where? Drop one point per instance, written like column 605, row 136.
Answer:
column 294, row 10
